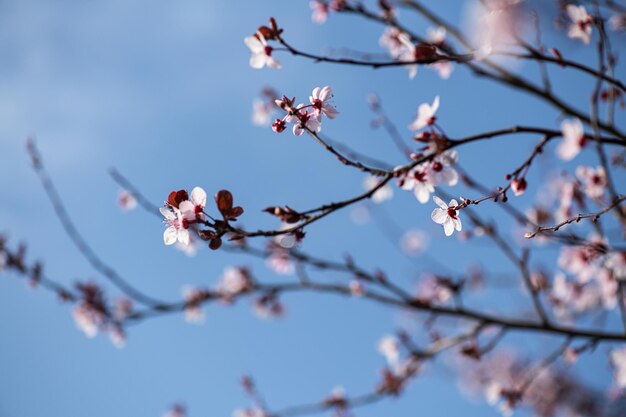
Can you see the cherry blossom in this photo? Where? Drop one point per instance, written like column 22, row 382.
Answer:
column 388, row 346
column 446, row 215
column 280, row 262
column 356, row 288
column 582, row 260
column 234, row 281
column 574, row 139
column 425, row 115
column 320, row 11
column 414, row 242
column 384, row 193
column 250, row 412
column 177, row 226
column 581, row 25
column 434, row 289
column 441, row 171
column 305, row 117
column 193, row 309
column 117, row 336
column 420, row 182
column 390, row 40
column 261, row 112
column 126, row 200
column 616, row 262
column 177, row 410
column 592, row 180
column 261, row 52
column 618, row 361
column 193, row 208
column 319, row 100
column 518, row 186
column 617, row 22
column 437, row 37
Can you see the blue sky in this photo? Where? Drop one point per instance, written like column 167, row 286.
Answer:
column 163, row 91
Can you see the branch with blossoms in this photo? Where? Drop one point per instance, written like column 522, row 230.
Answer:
column 567, row 299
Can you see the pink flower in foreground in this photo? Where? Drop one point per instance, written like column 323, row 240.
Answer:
column 518, row 186
column 319, row 99
column 194, row 207
column 425, row 115
column 441, row 171
column 304, row 117
column 447, row 216
column 176, row 226
column 592, row 180
column 580, row 27
column 261, row 52
column 573, row 139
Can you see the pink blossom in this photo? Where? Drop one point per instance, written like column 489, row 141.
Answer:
column 425, row 115
column 261, row 52
column 193, row 298
column 446, row 215
column 319, row 100
column 617, row 22
column 176, row 226
column 261, row 112
column 616, row 262
column 592, row 180
column 126, row 200
column 582, row 260
column 618, row 361
column 441, row 171
column 390, row 40
column 356, row 288
column 250, row 412
column 193, row 208
column 320, row 11
column 280, row 262
column 414, row 242
column 408, row 53
column 88, row 319
column 305, row 117
column 176, row 411
column 117, row 336
column 518, row 186
column 234, row 281
column 573, row 139
column 384, row 193
column 389, row 347
column 434, row 289
column 420, row 182
column 581, row 25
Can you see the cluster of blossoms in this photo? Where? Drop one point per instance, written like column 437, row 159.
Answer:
column 400, row 46
column 306, row 117
column 320, row 9
column 91, row 314
column 502, row 377
column 183, row 211
column 398, row 371
column 592, row 280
